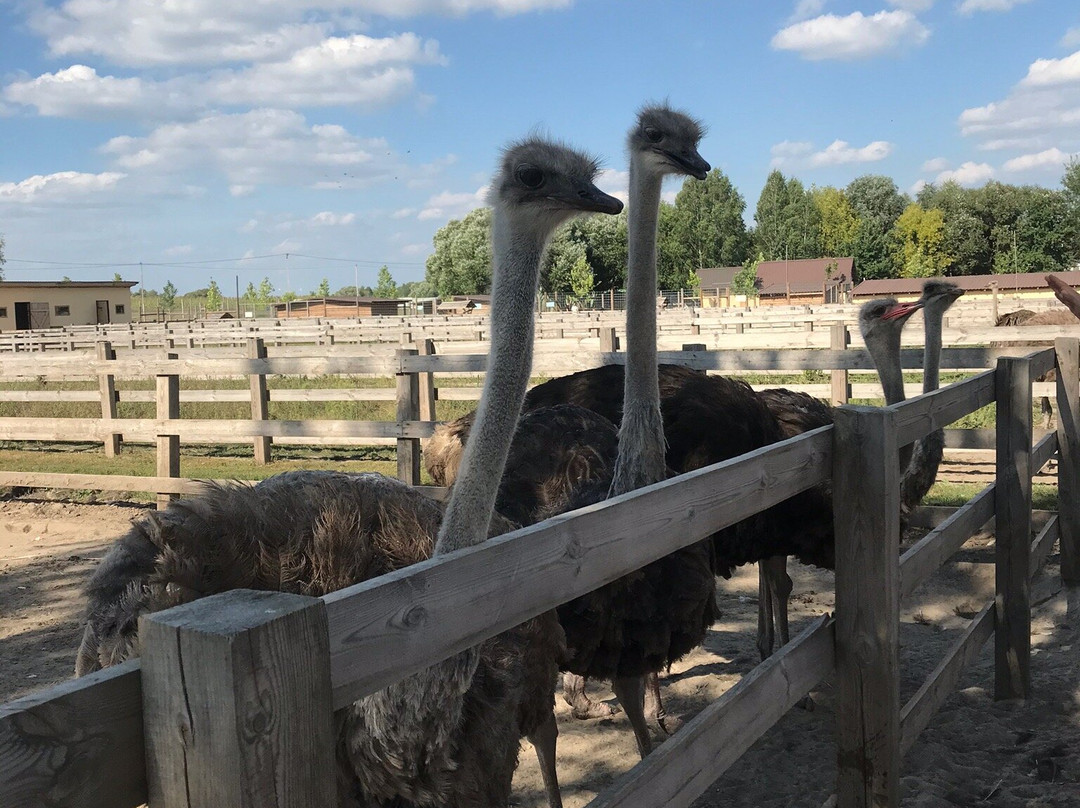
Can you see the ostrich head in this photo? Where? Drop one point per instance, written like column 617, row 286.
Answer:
column 668, row 141
column 542, row 184
column 885, row 316
column 937, row 296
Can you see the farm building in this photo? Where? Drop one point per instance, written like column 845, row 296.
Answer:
column 340, row 307
column 807, row 281
column 1024, row 286
column 44, row 304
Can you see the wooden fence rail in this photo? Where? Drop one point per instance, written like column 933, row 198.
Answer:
column 82, row 743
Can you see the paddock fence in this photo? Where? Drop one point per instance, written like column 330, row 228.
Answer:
column 243, row 716
column 415, row 396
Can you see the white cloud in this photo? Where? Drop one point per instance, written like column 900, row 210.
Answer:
column 180, row 249
column 264, row 146
column 58, row 188
column 1054, row 159
column 415, row 249
column 1071, row 38
column 328, row 218
column 916, row 187
column 972, row 6
column 968, row 174
column 913, row 5
column 788, row 150
column 935, row 164
column 840, row 152
column 1053, row 72
column 852, row 37
column 338, row 71
column 805, row 9
column 207, row 32
column 403, row 213
column 450, row 205
column 249, row 226
column 614, row 182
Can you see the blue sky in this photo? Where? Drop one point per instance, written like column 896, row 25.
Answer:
column 187, row 134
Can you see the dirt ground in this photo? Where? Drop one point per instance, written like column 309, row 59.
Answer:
column 976, row 752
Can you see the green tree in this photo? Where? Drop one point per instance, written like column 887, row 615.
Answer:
column 745, row 280
column 417, row 289
column 581, row 279
column 324, row 289
column 564, row 253
column 251, row 294
column 708, row 221
column 919, row 237
column 265, row 292
column 839, row 224
column 384, row 285
column 461, row 261
column 168, row 296
column 214, row 299
column 788, row 224
column 878, row 204
column 117, row 277
column 966, row 238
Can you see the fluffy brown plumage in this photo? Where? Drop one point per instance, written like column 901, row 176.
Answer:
column 313, row 532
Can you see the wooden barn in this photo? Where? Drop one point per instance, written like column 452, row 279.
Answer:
column 339, row 307
column 1018, row 287
column 806, row 281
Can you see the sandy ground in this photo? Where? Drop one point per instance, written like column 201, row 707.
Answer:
column 975, row 752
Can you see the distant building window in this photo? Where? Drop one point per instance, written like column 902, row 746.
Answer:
column 3, row 311
column 62, row 311
column 119, row 308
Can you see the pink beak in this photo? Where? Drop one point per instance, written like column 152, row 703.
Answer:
column 902, row 310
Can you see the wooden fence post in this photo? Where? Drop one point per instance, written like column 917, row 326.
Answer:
column 866, row 512
column 168, row 446
column 839, row 340
column 260, row 400
column 426, row 347
column 107, row 385
column 408, row 409
column 1068, row 430
column 1012, row 532
column 609, row 343
column 237, row 702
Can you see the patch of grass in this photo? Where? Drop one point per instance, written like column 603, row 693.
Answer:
column 1043, row 497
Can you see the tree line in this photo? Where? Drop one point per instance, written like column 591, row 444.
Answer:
column 944, row 229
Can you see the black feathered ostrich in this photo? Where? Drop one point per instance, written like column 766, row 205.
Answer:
column 449, row 735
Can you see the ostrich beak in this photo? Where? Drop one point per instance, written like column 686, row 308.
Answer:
column 591, row 199
column 690, row 162
column 902, row 310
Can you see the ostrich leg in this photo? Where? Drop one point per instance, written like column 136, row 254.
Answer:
column 581, row 706
column 654, row 707
column 630, row 690
column 543, row 741
column 774, row 589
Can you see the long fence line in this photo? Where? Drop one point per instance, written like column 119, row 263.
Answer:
column 415, row 395
column 455, row 328
column 112, row 738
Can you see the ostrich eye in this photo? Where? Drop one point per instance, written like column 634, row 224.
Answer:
column 530, row 176
column 653, row 134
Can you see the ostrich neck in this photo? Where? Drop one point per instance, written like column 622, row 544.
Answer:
column 513, row 294
column 931, row 351
column 641, row 433
column 887, row 361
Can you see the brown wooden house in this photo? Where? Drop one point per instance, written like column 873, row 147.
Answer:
column 340, row 307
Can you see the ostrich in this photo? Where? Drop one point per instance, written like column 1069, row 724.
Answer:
column 638, row 625
column 880, row 323
column 447, row 736
column 1025, row 317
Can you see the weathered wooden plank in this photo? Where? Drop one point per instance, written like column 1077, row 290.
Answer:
column 840, row 387
column 229, row 431
column 408, row 409
column 1043, row 451
column 384, row 629
column 1042, row 362
column 260, row 401
column 1068, row 430
column 426, row 347
column 76, row 745
column 107, row 391
column 920, row 416
column 942, row 681
column 867, row 525
column 927, row 555
column 75, row 367
column 1012, row 533
column 102, row 482
column 236, row 703
column 168, row 444
column 680, row 770
column 1043, row 544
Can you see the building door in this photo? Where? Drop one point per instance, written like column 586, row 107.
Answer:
column 102, row 312
column 22, row 316
column 39, row 315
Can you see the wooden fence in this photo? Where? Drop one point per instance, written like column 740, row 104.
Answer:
column 263, row 723
column 415, row 395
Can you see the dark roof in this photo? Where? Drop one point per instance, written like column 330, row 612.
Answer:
column 717, row 277
column 346, row 301
column 482, row 299
column 803, row 276
column 61, row 284
column 969, row 283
